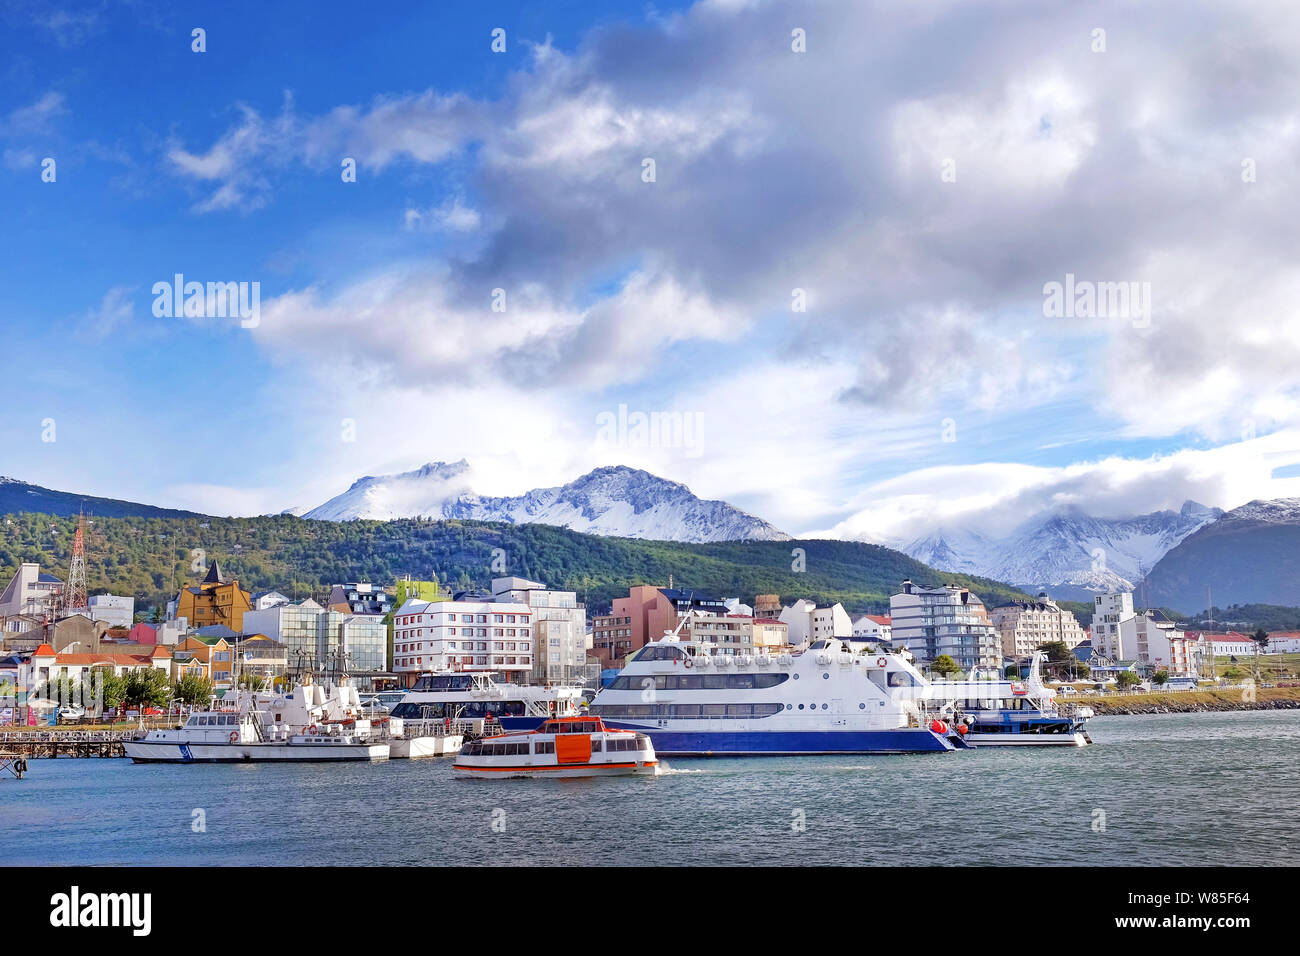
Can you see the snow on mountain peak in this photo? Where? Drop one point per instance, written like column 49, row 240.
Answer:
column 611, row 500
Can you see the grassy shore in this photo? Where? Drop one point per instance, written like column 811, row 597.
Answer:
column 1193, row 701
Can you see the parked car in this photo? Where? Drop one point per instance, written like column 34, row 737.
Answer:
column 1067, row 689
column 71, row 714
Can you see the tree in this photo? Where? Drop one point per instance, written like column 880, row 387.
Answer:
column 147, row 686
column 1127, row 679
column 1062, row 662
column 1260, row 637
column 943, row 665
column 193, row 689
column 112, row 689
column 1012, row 672
column 1160, row 678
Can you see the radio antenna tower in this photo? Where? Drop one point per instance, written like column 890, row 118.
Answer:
column 74, row 592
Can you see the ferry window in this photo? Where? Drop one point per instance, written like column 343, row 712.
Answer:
column 801, row 706
column 643, row 743
column 545, row 747
column 595, row 745
column 685, row 710
column 714, row 681
column 766, row 710
column 900, row 679
column 739, row 710
column 714, row 710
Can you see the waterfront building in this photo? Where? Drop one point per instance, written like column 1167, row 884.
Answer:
column 214, row 653
column 359, row 597
column 731, row 633
column 807, row 621
column 1121, row 633
column 215, row 600
column 770, row 635
column 1282, row 642
column 1024, row 626
column 872, row 627
column 949, row 620
column 646, row 614
column 734, row 606
column 47, row 665
column 474, row 636
column 31, row 592
column 316, row 638
column 142, row 633
column 559, row 628
column 19, row 623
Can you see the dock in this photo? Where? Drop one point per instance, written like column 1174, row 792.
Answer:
column 65, row 743
column 12, row 762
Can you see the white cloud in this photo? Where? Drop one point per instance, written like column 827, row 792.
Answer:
column 994, row 498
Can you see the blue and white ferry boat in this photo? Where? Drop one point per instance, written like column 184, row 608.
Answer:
column 1004, row 713
column 693, row 700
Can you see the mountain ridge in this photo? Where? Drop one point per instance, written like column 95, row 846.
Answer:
column 613, row 500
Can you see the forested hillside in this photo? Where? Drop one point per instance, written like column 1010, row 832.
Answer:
column 151, row 557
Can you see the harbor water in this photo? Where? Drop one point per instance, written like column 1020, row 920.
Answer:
column 1215, row 788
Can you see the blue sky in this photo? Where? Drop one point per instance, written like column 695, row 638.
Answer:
column 924, row 384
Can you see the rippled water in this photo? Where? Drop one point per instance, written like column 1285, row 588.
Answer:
column 1175, row 789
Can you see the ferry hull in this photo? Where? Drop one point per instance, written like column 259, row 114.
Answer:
column 403, row 748
column 587, row 770
column 778, row 743
column 1078, row 739
column 172, row 752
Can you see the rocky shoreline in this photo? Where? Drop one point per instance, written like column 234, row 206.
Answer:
column 1194, row 702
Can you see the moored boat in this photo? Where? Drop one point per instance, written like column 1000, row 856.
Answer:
column 562, row 747
column 311, row 723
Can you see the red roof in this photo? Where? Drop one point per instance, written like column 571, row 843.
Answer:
column 883, row 619
column 43, row 651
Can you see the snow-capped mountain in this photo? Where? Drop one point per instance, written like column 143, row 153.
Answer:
column 619, row 501
column 1068, row 552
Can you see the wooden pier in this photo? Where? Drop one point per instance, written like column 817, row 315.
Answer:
column 14, row 763
column 64, row 743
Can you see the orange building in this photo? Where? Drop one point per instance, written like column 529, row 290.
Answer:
column 217, row 600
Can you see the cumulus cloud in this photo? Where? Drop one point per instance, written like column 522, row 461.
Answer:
column 921, row 172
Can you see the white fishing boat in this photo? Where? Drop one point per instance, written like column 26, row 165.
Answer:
column 565, row 747
column 312, row 722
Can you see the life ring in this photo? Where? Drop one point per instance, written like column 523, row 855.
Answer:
column 313, row 729
column 689, row 663
column 234, row 736
column 881, row 661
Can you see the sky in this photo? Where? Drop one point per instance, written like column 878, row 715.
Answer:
column 827, row 235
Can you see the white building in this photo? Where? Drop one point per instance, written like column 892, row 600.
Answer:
column 1024, row 626
column 949, row 620
column 30, row 592
column 113, row 609
column 734, row 606
column 873, row 627
column 559, row 628
column 1121, row 633
column 807, row 621
column 473, row 636
column 262, row 600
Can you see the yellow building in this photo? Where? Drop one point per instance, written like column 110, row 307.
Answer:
column 217, row 600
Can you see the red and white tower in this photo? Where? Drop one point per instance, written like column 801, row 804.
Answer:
column 74, row 592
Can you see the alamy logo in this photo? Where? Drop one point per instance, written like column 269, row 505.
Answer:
column 216, row 300
column 74, row 909
column 1098, row 300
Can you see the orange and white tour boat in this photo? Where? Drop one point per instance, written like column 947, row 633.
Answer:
column 560, row 747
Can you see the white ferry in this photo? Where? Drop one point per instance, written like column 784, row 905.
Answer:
column 693, row 700
column 310, row 723
column 564, row 747
column 460, row 697
column 1006, row 713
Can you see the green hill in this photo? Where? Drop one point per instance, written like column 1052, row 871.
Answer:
column 150, row 557
column 18, row 496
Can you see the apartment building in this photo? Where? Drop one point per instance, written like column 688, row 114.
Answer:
column 30, row 592
column 1024, row 626
column 1121, row 633
column 872, row 627
column 806, row 621
column 477, row 636
column 559, row 628
column 646, row 614
column 949, row 620
column 316, row 638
